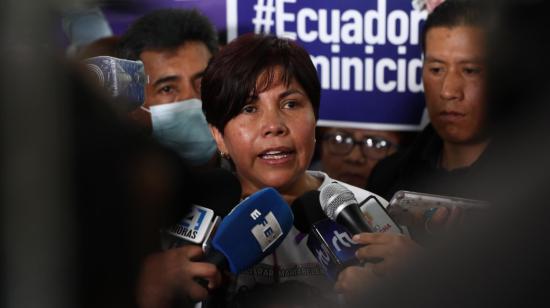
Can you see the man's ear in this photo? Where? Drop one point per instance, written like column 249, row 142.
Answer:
column 218, row 137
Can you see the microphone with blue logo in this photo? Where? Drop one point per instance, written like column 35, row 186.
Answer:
column 252, row 231
column 215, row 193
column 329, row 241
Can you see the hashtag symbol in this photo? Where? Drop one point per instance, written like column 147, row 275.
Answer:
column 264, row 16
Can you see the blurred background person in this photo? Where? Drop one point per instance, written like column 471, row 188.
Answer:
column 105, row 46
column 174, row 46
column 350, row 154
column 83, row 24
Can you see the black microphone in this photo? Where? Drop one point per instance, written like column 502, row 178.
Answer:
column 340, row 205
column 215, row 192
column 328, row 241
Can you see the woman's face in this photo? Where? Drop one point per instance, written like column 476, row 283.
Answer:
column 271, row 141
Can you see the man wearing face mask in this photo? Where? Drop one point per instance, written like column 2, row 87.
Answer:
column 174, row 46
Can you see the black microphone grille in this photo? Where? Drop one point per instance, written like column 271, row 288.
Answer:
column 333, row 196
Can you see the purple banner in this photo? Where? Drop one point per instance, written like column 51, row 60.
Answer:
column 122, row 15
column 367, row 53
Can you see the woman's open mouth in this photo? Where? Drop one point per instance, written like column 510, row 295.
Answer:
column 277, row 156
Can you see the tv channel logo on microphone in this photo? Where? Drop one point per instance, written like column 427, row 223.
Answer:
column 339, row 240
column 194, row 226
column 267, row 230
column 332, row 246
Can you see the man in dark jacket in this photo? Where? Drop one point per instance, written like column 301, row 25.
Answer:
column 452, row 148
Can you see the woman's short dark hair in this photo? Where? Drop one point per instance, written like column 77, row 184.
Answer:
column 453, row 13
column 232, row 75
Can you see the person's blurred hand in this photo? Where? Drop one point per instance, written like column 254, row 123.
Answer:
column 388, row 251
column 353, row 279
column 167, row 275
column 383, row 254
column 441, row 219
column 424, row 222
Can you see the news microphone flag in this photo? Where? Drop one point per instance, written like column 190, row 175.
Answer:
column 332, row 246
column 378, row 218
column 195, row 225
column 328, row 241
column 215, row 193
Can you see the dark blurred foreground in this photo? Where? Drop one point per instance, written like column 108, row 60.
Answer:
column 84, row 194
column 78, row 186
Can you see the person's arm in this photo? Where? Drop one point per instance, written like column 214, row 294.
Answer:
column 168, row 277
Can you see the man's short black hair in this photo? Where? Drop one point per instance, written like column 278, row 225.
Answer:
column 453, row 13
column 167, row 29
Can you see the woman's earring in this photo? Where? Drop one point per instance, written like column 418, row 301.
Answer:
column 224, row 155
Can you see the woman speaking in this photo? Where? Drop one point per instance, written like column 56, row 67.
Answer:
column 261, row 97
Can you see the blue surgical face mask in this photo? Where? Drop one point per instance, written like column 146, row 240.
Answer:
column 182, row 127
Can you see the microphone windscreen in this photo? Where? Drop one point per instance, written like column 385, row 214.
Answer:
column 253, row 229
column 217, row 189
column 307, row 211
column 334, row 197
column 340, row 205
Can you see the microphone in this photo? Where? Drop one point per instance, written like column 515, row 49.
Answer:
column 251, row 231
column 329, row 242
column 216, row 191
column 340, row 205
column 119, row 77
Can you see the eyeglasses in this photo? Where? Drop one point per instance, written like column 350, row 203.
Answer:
column 340, row 143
